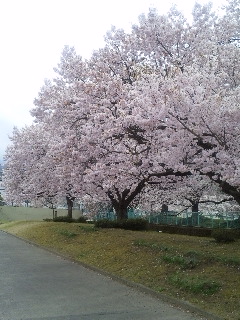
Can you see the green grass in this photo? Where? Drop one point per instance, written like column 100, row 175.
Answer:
column 194, row 269
column 87, row 228
column 149, row 244
column 195, row 284
column 232, row 261
column 184, row 261
column 67, row 233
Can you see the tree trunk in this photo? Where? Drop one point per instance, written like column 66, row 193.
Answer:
column 164, row 208
column 70, row 206
column 121, row 211
column 195, row 213
column 195, row 206
column 122, row 200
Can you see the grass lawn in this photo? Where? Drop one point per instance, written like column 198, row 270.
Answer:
column 194, row 269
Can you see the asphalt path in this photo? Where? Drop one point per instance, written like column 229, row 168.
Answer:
column 37, row 284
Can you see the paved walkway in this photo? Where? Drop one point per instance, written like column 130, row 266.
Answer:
column 36, row 284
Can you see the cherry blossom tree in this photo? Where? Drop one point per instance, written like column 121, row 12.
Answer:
column 33, row 171
column 106, row 136
column 206, row 103
column 29, row 172
column 195, row 193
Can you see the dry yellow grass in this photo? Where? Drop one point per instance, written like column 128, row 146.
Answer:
column 184, row 267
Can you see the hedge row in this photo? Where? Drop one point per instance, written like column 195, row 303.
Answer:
column 128, row 224
column 220, row 235
column 68, row 219
column 185, row 230
column 226, row 235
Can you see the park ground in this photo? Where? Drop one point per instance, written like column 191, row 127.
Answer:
column 194, row 269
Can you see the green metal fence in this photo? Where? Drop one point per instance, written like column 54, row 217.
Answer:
column 110, row 215
column 195, row 219
column 198, row 219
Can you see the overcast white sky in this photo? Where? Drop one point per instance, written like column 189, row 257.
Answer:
column 33, row 34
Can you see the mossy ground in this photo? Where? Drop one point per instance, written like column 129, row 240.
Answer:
column 193, row 269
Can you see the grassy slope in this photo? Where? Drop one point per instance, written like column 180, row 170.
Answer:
column 194, row 269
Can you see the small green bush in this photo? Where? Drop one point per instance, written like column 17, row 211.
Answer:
column 63, row 219
column 68, row 219
column 135, row 224
column 81, row 219
column 224, row 235
column 105, row 223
